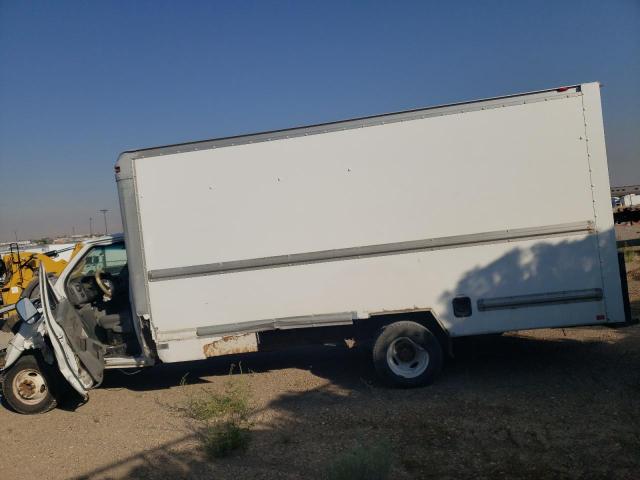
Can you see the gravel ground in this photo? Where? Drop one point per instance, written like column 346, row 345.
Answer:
column 627, row 232
column 538, row 404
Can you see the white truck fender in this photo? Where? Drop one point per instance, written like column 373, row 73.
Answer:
column 14, row 350
column 25, row 339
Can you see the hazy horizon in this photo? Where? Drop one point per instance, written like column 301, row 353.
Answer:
column 81, row 82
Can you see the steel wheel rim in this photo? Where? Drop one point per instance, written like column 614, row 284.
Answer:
column 29, row 386
column 406, row 358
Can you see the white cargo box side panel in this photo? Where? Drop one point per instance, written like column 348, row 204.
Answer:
column 503, row 168
column 396, row 282
column 494, row 173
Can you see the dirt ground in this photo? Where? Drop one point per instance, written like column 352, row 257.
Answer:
column 626, row 231
column 539, row 404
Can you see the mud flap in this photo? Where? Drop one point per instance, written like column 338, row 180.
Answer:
column 625, row 291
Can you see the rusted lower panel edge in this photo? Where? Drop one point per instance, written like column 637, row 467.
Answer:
column 232, row 344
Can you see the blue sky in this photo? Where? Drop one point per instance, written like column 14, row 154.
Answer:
column 82, row 81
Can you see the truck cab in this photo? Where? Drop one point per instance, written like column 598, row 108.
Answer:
column 96, row 284
column 82, row 324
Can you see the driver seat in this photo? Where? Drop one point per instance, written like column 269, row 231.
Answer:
column 119, row 322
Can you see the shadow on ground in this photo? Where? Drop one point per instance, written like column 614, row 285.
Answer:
column 519, row 406
column 550, row 404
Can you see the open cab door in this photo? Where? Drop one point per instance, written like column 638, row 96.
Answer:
column 79, row 354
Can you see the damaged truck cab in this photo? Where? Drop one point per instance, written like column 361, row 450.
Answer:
column 74, row 329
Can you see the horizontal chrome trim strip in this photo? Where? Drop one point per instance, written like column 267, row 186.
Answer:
column 127, row 362
column 536, row 299
column 371, row 251
column 305, row 321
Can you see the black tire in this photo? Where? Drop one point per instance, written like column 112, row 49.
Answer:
column 19, row 382
column 406, row 354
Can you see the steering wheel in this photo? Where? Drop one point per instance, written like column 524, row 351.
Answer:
column 105, row 285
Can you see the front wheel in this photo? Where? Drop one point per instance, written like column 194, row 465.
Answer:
column 407, row 354
column 27, row 386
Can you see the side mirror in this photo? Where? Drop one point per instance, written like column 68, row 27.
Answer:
column 26, row 309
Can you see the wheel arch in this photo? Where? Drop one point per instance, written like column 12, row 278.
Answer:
column 14, row 352
column 368, row 328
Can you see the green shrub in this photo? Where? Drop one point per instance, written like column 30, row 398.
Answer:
column 232, row 403
column 221, row 419
column 223, row 439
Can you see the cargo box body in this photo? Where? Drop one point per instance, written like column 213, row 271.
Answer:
column 494, row 215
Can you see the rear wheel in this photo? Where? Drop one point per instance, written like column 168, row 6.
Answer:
column 27, row 386
column 407, row 354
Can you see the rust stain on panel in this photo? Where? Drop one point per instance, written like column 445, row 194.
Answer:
column 231, row 344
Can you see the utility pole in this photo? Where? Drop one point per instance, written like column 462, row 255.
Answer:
column 90, row 226
column 104, row 213
column 15, row 234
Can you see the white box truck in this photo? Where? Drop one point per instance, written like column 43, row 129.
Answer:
column 631, row 200
column 390, row 230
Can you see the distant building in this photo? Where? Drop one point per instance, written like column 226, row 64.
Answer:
column 625, row 190
column 630, row 200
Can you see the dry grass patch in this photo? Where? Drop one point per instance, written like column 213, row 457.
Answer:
column 221, row 420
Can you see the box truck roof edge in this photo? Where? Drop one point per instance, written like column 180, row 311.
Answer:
column 123, row 166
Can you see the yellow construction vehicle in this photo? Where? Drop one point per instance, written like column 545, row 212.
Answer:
column 19, row 271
